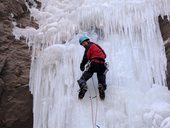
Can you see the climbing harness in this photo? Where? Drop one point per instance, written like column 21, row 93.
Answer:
column 87, row 66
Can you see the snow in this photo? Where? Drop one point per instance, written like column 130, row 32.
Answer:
column 128, row 31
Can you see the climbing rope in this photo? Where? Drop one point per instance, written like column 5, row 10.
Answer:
column 94, row 119
column 96, row 102
column 91, row 108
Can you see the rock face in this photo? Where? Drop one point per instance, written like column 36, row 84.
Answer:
column 165, row 30
column 15, row 59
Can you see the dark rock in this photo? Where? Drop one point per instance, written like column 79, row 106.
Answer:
column 1, row 88
column 165, row 31
column 26, row 21
column 2, row 63
column 15, row 58
column 164, row 27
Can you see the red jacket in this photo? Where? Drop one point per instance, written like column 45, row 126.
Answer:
column 94, row 53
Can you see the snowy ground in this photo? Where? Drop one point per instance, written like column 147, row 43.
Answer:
column 128, row 31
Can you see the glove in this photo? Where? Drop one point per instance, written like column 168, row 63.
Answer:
column 82, row 67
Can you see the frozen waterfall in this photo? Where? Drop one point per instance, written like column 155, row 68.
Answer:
column 128, row 30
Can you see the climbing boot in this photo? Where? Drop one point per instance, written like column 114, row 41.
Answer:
column 101, row 92
column 82, row 91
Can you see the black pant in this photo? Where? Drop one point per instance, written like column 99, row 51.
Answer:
column 94, row 68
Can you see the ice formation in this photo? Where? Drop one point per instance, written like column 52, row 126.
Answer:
column 128, row 30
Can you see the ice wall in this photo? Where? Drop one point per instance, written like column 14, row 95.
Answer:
column 128, row 31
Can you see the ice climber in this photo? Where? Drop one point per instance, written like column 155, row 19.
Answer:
column 93, row 62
